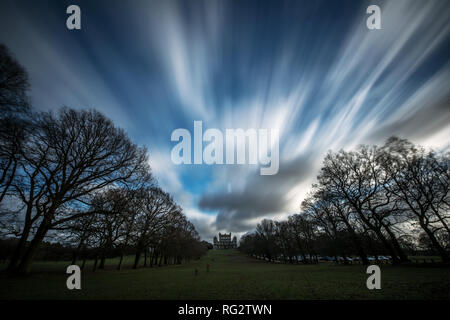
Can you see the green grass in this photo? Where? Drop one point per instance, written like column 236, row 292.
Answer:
column 232, row 276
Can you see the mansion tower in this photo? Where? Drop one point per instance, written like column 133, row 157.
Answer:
column 225, row 241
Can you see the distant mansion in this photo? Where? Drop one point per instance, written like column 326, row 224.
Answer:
column 225, row 241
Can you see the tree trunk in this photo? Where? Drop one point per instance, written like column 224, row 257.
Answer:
column 379, row 234
column 74, row 257
column 18, row 251
column 15, row 258
column 136, row 259
column 152, row 256
column 357, row 241
column 436, row 244
column 102, row 262
column 95, row 263
column 345, row 258
column 403, row 257
column 76, row 253
column 363, row 257
column 24, row 267
column 119, row 267
column 386, row 243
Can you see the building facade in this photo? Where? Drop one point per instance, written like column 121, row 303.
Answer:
column 225, row 241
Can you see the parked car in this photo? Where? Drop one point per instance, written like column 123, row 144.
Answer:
column 342, row 259
column 383, row 258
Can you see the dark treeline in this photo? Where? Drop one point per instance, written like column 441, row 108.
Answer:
column 391, row 200
column 73, row 177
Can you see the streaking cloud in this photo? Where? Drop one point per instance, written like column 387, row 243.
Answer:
column 311, row 70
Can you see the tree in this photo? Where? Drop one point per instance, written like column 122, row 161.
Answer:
column 357, row 178
column 79, row 179
column 284, row 241
column 81, row 231
column 266, row 231
column 336, row 218
column 305, row 235
column 420, row 180
column 114, row 207
column 69, row 158
column 152, row 218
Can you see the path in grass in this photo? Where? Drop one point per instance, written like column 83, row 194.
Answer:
column 232, row 276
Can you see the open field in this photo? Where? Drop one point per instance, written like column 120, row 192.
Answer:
column 232, row 276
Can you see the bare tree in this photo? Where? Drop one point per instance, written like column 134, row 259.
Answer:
column 365, row 201
column 151, row 219
column 285, row 241
column 114, row 203
column 81, row 230
column 68, row 159
column 266, row 231
column 355, row 178
column 420, row 180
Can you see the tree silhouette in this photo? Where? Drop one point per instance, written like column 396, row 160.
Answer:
column 14, row 123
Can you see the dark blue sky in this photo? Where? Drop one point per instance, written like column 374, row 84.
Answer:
column 311, row 69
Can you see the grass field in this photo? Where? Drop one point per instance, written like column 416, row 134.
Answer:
column 232, row 276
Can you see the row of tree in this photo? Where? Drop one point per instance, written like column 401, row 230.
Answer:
column 144, row 222
column 75, row 175
column 387, row 200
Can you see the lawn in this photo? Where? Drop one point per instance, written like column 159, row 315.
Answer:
column 232, row 276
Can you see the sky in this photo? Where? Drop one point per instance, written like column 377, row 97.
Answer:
column 310, row 69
